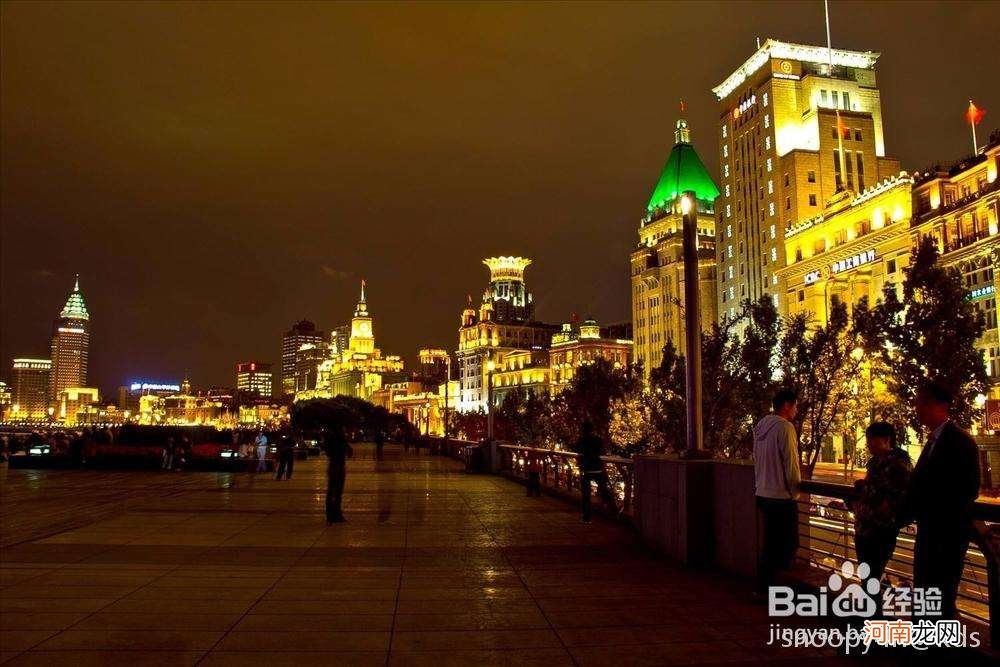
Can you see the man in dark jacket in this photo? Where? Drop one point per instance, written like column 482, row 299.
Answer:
column 286, row 457
column 943, row 488
column 337, row 450
column 589, row 446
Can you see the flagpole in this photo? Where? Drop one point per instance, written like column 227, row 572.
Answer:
column 972, row 122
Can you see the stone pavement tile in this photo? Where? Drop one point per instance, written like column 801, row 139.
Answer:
column 181, row 591
column 360, row 607
column 151, row 554
column 492, row 606
column 10, row 576
column 555, row 657
column 106, row 658
column 581, row 605
column 32, row 590
column 296, row 658
column 478, row 593
column 317, row 593
column 480, row 640
column 51, row 605
column 33, row 554
column 164, row 640
column 86, row 578
column 525, row 620
column 304, row 640
column 145, row 606
column 156, row 620
column 660, row 654
column 332, row 622
column 40, row 620
column 21, row 640
column 601, row 618
column 7, row 656
column 634, row 635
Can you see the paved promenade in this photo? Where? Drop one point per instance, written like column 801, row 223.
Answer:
column 434, row 567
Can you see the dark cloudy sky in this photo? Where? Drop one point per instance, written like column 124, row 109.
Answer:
column 217, row 171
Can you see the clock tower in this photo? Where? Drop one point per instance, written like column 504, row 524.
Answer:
column 362, row 339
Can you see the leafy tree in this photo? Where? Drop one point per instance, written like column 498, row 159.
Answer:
column 528, row 416
column 822, row 365
column 926, row 333
column 589, row 397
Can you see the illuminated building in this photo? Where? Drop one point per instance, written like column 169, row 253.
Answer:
column 254, row 378
column 434, row 366
column 307, row 360
column 857, row 245
column 574, row 346
column 184, row 410
column 129, row 395
column 783, row 156
column 422, row 407
column 503, row 323
column 6, row 400
column 30, row 388
column 70, row 345
column 72, row 401
column 521, row 370
column 957, row 205
column 302, row 333
column 359, row 369
column 657, row 263
column 340, row 338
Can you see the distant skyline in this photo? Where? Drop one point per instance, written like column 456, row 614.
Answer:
column 217, row 172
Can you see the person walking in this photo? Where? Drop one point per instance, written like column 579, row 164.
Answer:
column 167, row 459
column 337, row 450
column 589, row 447
column 286, row 457
column 941, row 495
column 379, row 444
column 881, row 500
column 776, row 480
column 260, row 442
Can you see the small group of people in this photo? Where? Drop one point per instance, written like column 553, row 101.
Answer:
column 176, row 455
column 938, row 494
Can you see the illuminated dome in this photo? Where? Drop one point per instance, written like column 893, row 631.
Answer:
column 75, row 308
column 683, row 171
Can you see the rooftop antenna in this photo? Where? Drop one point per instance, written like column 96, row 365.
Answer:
column 758, row 43
column 836, row 108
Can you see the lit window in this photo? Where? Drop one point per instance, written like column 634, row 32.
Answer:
column 774, row 280
column 729, row 231
column 770, row 208
column 725, row 170
column 767, row 142
column 767, row 121
column 725, row 132
column 729, row 250
column 774, row 297
column 770, row 187
column 729, row 211
column 773, row 231
column 725, row 150
column 812, row 200
column 732, row 293
column 731, row 272
column 774, row 254
column 764, row 100
column 769, row 164
column 727, row 189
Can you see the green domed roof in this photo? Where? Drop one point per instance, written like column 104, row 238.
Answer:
column 683, row 171
column 75, row 308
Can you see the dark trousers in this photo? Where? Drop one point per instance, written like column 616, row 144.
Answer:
column 601, row 478
column 336, row 476
column 875, row 547
column 534, row 484
column 286, row 463
column 780, row 519
column 939, row 558
column 378, row 450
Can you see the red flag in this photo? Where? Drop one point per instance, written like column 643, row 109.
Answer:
column 974, row 115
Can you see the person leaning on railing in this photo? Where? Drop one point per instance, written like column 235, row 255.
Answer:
column 879, row 510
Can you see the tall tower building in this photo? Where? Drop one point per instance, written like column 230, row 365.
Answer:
column 362, row 338
column 302, row 333
column 30, row 388
column 657, row 263
column 799, row 126
column 70, row 345
column 254, row 378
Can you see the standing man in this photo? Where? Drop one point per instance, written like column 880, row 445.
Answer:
column 337, row 450
column 943, row 488
column 776, row 481
column 379, row 444
column 286, row 457
column 589, row 448
column 261, row 443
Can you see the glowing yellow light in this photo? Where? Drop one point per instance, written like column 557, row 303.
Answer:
column 878, row 219
column 685, row 204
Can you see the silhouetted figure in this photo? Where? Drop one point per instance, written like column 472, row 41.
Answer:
column 76, row 450
column 167, row 460
column 776, row 481
column 261, row 444
column 589, row 447
column 286, row 457
column 533, row 466
column 943, row 489
column 337, row 450
column 379, row 445
column 882, row 498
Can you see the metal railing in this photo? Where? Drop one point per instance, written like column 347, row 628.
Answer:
column 826, row 532
column 560, row 472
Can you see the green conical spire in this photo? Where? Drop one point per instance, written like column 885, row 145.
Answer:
column 75, row 308
column 683, row 171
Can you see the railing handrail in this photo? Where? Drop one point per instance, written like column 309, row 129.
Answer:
column 989, row 512
column 565, row 453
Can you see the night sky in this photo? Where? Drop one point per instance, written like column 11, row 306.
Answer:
column 217, row 172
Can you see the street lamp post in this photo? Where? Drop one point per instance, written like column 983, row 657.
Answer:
column 692, row 327
column 490, row 367
column 447, row 381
